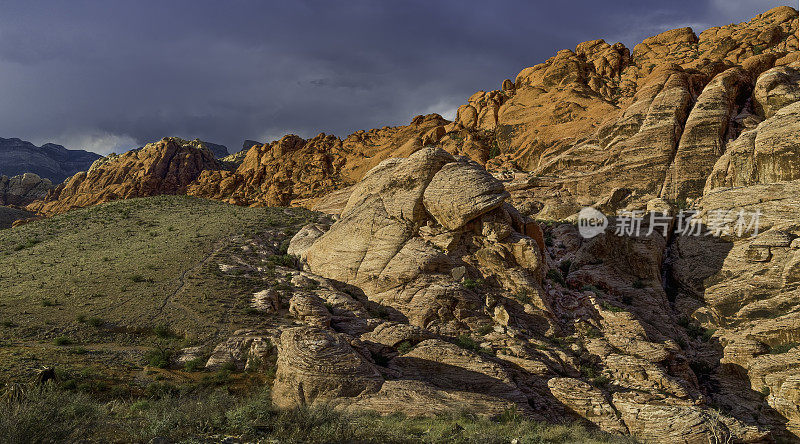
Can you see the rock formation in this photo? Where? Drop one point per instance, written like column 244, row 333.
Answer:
column 164, row 167
column 23, row 189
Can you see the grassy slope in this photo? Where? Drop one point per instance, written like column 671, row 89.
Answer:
column 105, row 277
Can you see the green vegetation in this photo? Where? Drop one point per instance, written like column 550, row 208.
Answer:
column 612, row 308
column 466, row 342
column 62, row 340
column 564, row 266
column 556, row 276
column 176, row 415
column 128, row 276
column 494, row 151
column 472, row 284
column 783, row 348
column 485, row 330
column 158, row 357
column 404, row 347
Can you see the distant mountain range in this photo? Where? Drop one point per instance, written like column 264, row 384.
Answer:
column 49, row 161
column 54, row 162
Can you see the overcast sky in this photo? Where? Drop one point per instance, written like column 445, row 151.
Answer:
column 112, row 75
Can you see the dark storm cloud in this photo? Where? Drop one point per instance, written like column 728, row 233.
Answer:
column 111, row 75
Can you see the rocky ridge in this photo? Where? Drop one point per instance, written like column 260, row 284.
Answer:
column 164, row 167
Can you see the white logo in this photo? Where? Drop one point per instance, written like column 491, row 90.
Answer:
column 591, row 222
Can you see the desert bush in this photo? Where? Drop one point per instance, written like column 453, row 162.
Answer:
column 53, row 415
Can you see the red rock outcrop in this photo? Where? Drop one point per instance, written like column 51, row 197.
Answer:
column 164, row 167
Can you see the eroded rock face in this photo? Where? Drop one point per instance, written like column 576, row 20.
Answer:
column 294, row 171
column 164, row 167
column 768, row 153
column 471, row 318
column 432, row 293
column 776, row 88
column 388, row 244
column 23, row 189
column 245, row 350
column 316, row 364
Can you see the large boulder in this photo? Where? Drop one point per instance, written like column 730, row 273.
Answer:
column 317, row 365
column 452, row 203
column 399, row 237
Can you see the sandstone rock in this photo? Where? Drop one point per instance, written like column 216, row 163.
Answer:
column 374, row 244
column 164, row 167
column 246, row 349
column 452, row 203
column 295, row 170
column 189, row 354
column 268, row 301
column 766, row 154
column 587, row 402
column 776, row 88
column 317, row 365
column 653, row 422
column 702, row 141
column 309, row 309
column 304, row 238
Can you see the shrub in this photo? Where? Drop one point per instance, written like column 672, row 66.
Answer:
column 485, row 330
column 194, row 364
column 471, row 284
column 708, row 334
column 564, row 266
column 555, row 275
column 591, row 288
column 94, row 321
column 179, row 416
column 466, row 342
column 28, row 244
column 158, row 357
column 62, row 340
column 639, row 284
column 404, row 347
column 783, row 348
column 494, row 151
column 65, row 414
column 163, row 331
column 284, row 260
column 612, row 308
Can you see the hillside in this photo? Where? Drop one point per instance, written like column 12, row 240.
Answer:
column 128, row 267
